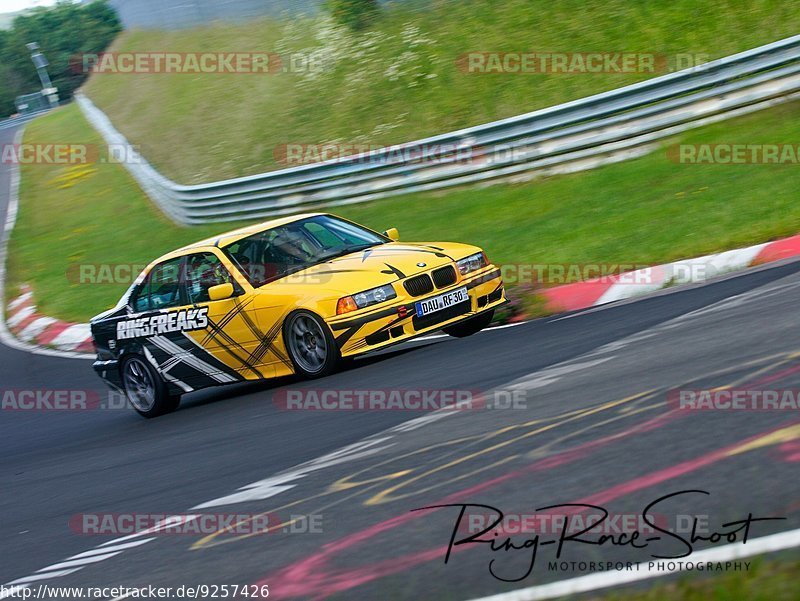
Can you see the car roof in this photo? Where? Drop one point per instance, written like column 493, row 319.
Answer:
column 226, row 238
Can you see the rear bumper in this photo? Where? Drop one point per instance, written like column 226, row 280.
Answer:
column 398, row 321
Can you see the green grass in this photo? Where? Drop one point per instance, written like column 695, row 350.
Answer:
column 648, row 210
column 765, row 581
column 72, row 215
column 399, row 80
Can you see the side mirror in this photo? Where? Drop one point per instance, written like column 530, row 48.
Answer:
column 220, row 292
column 392, row 233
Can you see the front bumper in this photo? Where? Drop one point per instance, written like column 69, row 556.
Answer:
column 390, row 324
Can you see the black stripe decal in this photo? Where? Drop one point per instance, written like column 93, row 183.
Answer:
column 266, row 343
column 221, row 337
column 395, row 271
column 238, row 308
column 342, row 338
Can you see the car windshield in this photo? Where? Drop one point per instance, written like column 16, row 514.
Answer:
column 286, row 249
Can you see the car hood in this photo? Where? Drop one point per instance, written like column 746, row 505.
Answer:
column 380, row 265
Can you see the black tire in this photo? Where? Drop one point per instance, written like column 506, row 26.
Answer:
column 310, row 344
column 147, row 393
column 470, row 326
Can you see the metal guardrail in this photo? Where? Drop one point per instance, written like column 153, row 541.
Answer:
column 15, row 121
column 568, row 137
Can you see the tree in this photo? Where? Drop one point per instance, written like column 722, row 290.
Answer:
column 64, row 32
column 356, row 14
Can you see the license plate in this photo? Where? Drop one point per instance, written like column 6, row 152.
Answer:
column 443, row 301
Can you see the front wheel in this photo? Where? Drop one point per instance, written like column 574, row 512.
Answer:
column 146, row 391
column 470, row 326
column 310, row 344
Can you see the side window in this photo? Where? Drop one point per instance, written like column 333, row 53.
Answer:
column 161, row 289
column 204, row 270
column 245, row 255
column 141, row 300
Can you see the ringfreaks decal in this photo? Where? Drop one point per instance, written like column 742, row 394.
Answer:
column 178, row 321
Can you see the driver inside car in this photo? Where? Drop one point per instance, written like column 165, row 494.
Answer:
column 292, row 246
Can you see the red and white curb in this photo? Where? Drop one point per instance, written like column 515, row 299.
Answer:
column 30, row 327
column 590, row 293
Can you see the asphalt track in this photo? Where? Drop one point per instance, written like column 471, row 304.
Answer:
column 592, row 424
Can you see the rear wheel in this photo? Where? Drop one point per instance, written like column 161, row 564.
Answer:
column 310, row 344
column 470, row 326
column 146, row 391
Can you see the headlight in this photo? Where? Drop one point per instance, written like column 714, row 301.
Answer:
column 365, row 299
column 472, row 263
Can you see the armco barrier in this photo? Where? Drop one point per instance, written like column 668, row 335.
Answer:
column 21, row 119
column 572, row 136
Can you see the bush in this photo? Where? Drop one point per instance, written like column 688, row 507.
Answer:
column 355, row 14
column 64, row 31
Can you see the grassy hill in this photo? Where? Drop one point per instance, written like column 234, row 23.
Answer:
column 401, row 79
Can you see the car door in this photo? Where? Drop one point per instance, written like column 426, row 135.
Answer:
column 160, row 325
column 232, row 334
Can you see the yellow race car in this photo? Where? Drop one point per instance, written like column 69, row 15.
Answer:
column 292, row 295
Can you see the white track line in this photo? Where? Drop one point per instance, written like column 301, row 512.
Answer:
column 37, row 577
column 78, row 562
column 593, row 582
column 104, row 550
